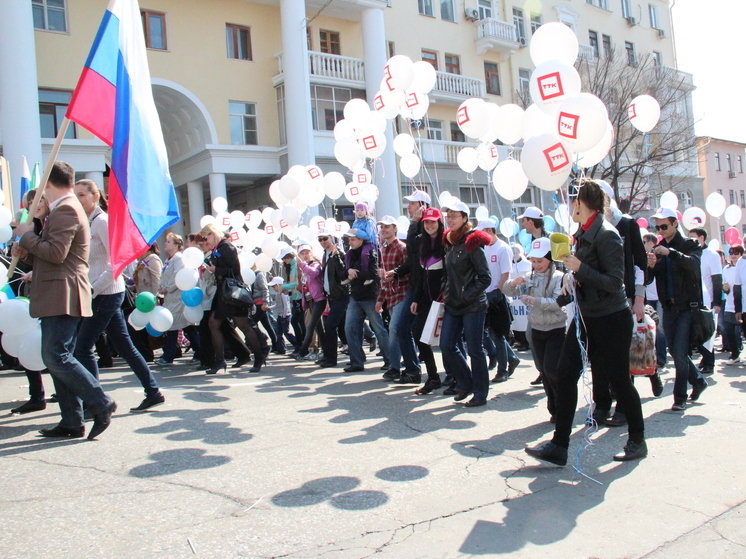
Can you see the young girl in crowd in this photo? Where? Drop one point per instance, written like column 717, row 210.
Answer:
column 545, row 317
column 364, row 224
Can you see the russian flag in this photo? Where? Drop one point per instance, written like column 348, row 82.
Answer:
column 25, row 178
column 114, row 101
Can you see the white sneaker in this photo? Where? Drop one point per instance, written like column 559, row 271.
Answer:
column 735, row 361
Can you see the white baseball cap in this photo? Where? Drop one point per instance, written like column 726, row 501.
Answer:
column 388, row 220
column 457, row 205
column 277, row 280
column 351, row 233
column 418, row 196
column 284, row 252
column 533, row 213
column 323, row 233
column 664, row 213
column 486, row 224
column 301, row 248
column 539, row 248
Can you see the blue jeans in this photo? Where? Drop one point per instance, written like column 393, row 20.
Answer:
column 357, row 311
column 336, row 316
column 172, row 342
column 678, row 325
column 477, row 378
column 660, row 335
column 401, row 342
column 72, row 382
column 107, row 315
column 505, row 355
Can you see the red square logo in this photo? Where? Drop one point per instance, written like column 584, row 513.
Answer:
column 234, row 236
column 354, row 190
column 226, row 221
column 313, row 172
column 556, row 157
column 438, row 326
column 369, row 142
column 568, row 125
column 283, row 224
column 493, row 151
column 269, row 229
column 412, row 100
column 321, row 225
column 631, row 111
column 378, row 102
column 550, row 86
column 361, row 178
column 387, row 78
column 462, row 116
column 493, row 258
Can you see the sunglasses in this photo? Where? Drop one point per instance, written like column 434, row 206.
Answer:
column 323, row 239
column 733, row 253
column 661, row 227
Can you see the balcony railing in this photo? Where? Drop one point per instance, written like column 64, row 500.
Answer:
column 331, row 68
column 496, row 29
column 440, row 151
column 587, row 52
column 456, row 87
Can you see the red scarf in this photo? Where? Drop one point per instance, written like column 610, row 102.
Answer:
column 587, row 224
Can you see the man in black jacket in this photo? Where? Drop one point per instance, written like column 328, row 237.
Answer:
column 676, row 265
column 337, row 295
column 361, row 262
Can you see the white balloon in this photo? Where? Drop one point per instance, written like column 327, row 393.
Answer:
column 361, row 176
column 482, row 213
column 386, row 104
column 714, row 244
column 644, row 112
column 343, row 129
column 15, row 317
column 334, row 185
column 376, row 122
column 253, row 219
column 562, row 216
column 256, row 236
column 487, row 156
column 693, row 217
column 238, row 237
column 424, row 78
column 263, row 263
column 3, row 274
column 398, row 72
column 219, row 204
column 473, row 117
column 291, row 215
column 582, row 120
column 194, row 314
column 29, row 352
column 715, row 205
column 443, row 198
column 237, row 219
column 732, row 215
column 546, row 161
column 410, row 165
column 313, row 196
column 267, row 213
column 248, row 275
column 535, row 122
column 554, row 41
column 467, row 160
column 186, row 279
column 289, row 187
column 11, row 342
column 314, row 175
column 192, row 257
column 356, row 112
column 404, row 143
column 223, row 221
column 161, row 319
column 402, row 223
column 270, row 247
column 275, row 217
column 138, row 319
column 207, row 220
column 509, row 180
column 347, row 151
column 372, row 145
column 507, row 227
column 353, row 192
column 415, row 105
column 6, row 233
column 493, row 115
column 508, row 124
column 551, row 83
column 246, row 259
column 669, row 200
column 597, row 153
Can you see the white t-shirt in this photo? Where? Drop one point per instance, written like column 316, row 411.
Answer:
column 651, row 291
column 710, row 266
column 729, row 276
column 499, row 256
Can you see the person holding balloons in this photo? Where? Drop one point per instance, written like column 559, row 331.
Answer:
column 172, row 300
column 108, row 295
column 145, row 279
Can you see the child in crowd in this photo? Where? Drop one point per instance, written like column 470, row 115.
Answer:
column 545, row 316
column 280, row 306
column 364, row 224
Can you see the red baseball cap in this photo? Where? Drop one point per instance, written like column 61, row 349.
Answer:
column 432, row 214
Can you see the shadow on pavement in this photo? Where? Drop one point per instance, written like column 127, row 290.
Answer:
column 173, row 461
column 193, row 425
column 338, row 491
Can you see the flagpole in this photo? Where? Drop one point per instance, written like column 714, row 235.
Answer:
column 45, row 177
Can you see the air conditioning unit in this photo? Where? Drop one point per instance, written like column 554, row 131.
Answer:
column 471, row 14
column 732, row 174
column 661, row 33
column 522, row 41
column 632, row 21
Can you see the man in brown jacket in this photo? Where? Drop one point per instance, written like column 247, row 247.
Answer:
column 60, row 297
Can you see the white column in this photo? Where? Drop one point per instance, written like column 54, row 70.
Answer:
column 217, row 187
column 196, row 205
column 19, row 94
column 296, row 70
column 97, row 177
column 178, row 227
column 386, row 173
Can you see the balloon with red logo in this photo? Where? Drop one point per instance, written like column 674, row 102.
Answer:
column 547, row 161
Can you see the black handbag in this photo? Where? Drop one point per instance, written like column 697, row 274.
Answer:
column 236, row 293
column 703, row 325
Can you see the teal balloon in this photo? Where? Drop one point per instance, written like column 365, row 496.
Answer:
column 516, row 228
column 145, row 301
column 152, row 331
column 549, row 223
column 524, row 238
column 192, row 297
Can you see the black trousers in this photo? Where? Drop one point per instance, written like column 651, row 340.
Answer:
column 332, row 322
column 426, row 351
column 608, row 341
column 548, row 346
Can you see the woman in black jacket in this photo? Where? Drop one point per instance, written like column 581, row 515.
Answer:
column 604, row 326
column 223, row 263
column 467, row 276
column 427, row 265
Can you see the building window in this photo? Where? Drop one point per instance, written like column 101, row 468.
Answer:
column 456, row 134
column 492, row 78
column 600, row 3
column 657, row 59
column 243, row 123
column 329, row 42
column 446, row 10
column 717, row 161
column 626, row 9
column 327, row 105
column 606, row 39
column 593, row 38
column 280, row 93
column 722, row 235
column 49, row 15
column 653, row 12
column 631, row 58
column 391, row 48
column 524, row 79
column 485, row 9
column 453, row 64
column 52, row 108
column 740, row 164
column 154, row 27
column 520, row 28
column 430, row 56
column 536, row 22
column 728, row 162
column 743, row 199
column 238, row 41
column 732, row 196
column 743, row 229
column 426, row 7
column 720, row 191
column 472, row 195
column 434, row 129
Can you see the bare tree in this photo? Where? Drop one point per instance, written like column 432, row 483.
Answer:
column 642, row 166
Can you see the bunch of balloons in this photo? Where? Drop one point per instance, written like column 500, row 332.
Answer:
column 149, row 315
column 21, row 332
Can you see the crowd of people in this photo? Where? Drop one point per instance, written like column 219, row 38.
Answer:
column 445, row 282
